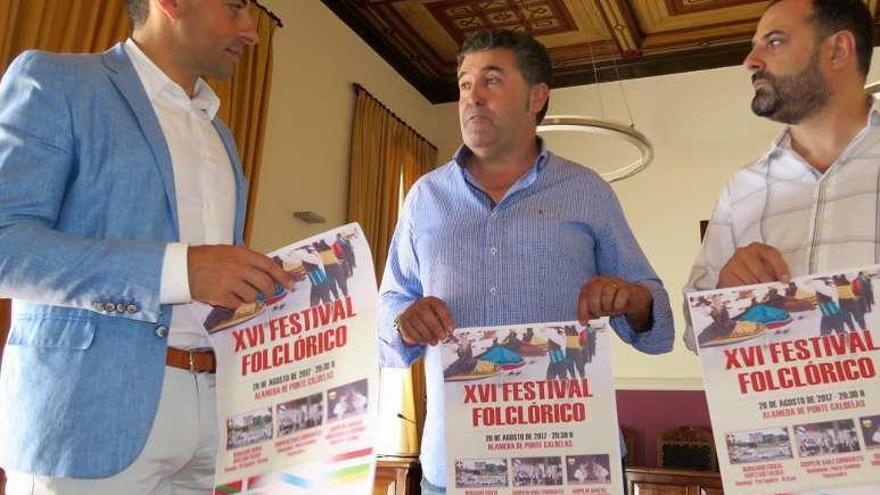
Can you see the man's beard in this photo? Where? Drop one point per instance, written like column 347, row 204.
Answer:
column 791, row 99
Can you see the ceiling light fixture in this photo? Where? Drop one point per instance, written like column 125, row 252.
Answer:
column 577, row 123
column 606, row 127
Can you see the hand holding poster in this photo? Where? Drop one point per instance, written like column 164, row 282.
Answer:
column 790, row 372
column 296, row 398
column 534, row 411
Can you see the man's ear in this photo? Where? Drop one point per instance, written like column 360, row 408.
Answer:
column 538, row 95
column 168, row 8
column 843, row 49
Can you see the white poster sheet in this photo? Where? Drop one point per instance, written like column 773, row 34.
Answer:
column 297, row 399
column 790, row 373
column 530, row 409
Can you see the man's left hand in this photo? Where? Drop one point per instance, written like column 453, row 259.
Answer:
column 612, row 296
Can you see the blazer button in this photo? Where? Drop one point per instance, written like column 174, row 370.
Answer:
column 132, row 309
column 99, row 306
column 161, row 331
column 120, row 308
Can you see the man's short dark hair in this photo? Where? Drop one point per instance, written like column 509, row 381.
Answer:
column 138, row 10
column 532, row 59
column 831, row 16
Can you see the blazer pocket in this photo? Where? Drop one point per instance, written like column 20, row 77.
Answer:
column 53, row 333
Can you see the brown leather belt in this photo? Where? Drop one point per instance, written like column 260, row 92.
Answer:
column 196, row 361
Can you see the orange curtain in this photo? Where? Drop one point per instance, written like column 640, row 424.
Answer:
column 68, row 26
column 387, row 157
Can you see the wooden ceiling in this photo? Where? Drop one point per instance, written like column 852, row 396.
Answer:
column 588, row 40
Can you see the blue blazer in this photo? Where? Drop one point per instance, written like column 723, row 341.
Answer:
column 87, row 204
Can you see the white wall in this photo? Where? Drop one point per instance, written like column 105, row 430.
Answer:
column 308, row 132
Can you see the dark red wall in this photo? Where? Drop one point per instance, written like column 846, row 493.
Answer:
column 649, row 412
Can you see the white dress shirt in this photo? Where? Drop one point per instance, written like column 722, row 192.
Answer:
column 819, row 221
column 203, row 181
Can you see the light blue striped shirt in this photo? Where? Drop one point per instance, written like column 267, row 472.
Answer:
column 524, row 260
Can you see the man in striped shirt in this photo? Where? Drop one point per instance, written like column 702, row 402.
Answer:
column 508, row 233
column 810, row 204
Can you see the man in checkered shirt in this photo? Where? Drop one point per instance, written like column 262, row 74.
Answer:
column 811, row 203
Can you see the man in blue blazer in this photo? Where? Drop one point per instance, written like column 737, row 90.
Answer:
column 122, row 201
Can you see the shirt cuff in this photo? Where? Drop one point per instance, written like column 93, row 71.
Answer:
column 393, row 351
column 661, row 337
column 174, row 285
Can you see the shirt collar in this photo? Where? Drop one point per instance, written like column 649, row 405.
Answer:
column 782, row 143
column 157, row 84
column 463, row 153
column 529, row 178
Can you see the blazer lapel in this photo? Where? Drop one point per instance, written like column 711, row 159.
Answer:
column 126, row 79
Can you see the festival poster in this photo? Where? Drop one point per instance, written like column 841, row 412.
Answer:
column 530, row 409
column 790, row 372
column 296, row 397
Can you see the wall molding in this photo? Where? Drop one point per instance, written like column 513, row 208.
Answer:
column 631, row 383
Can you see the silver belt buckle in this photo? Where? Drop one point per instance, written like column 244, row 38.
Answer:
column 192, row 363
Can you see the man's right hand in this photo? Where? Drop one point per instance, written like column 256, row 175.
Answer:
column 230, row 276
column 754, row 264
column 426, row 321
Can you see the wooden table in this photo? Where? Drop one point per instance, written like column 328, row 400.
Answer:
column 662, row 481
column 397, row 476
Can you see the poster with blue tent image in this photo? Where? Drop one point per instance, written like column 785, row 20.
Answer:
column 790, row 370
column 533, row 406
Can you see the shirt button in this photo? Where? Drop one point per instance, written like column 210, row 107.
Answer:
column 493, row 250
column 132, row 309
column 492, row 291
column 161, row 331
